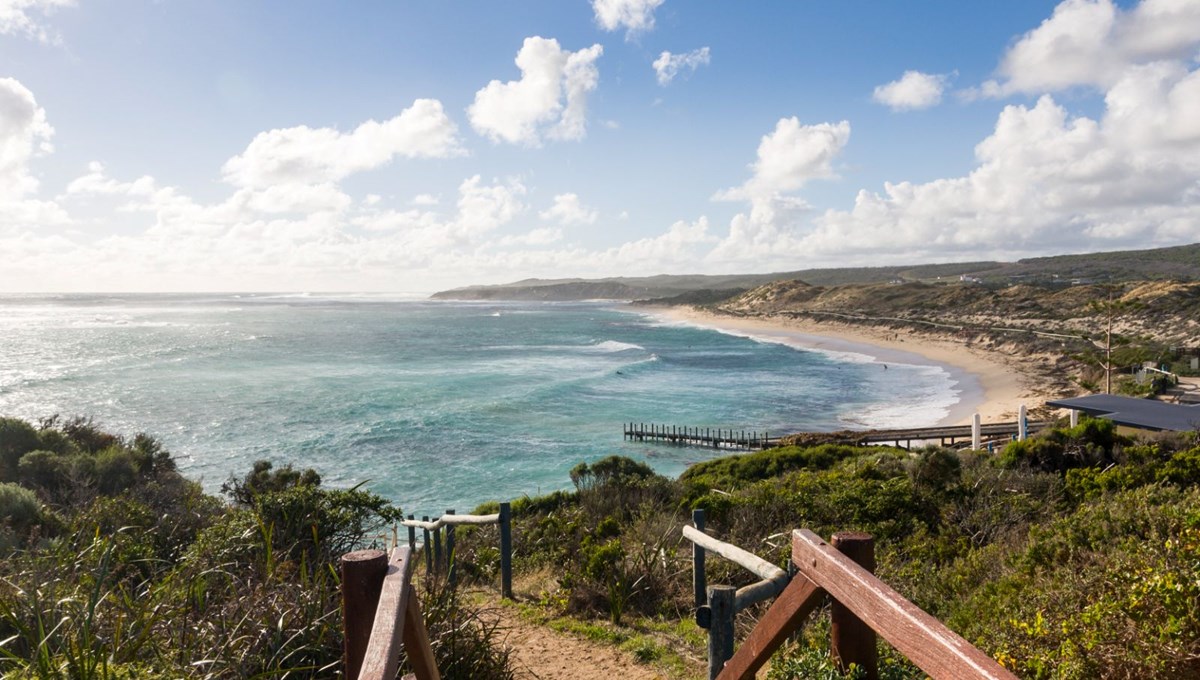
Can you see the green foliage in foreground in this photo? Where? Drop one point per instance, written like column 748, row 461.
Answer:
column 1075, row 554
column 113, row 567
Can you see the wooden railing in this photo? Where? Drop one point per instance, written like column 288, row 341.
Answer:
column 434, row 561
column 862, row 606
column 381, row 611
column 379, row 591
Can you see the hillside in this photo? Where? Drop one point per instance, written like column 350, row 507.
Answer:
column 1180, row 263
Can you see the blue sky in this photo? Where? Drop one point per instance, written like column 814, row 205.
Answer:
column 399, row 146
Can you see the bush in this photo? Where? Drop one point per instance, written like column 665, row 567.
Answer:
column 17, row 438
column 19, row 507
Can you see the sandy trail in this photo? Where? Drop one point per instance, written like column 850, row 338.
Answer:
column 540, row 653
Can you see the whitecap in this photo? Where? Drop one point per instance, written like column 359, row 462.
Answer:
column 615, row 346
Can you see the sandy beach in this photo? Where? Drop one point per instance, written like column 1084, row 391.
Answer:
column 991, row 384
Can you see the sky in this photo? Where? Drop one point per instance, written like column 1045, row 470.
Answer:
column 417, row 145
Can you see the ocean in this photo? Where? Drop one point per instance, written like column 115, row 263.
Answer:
column 431, row 404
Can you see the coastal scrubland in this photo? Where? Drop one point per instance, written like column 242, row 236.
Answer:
column 1075, row 554
column 114, row 566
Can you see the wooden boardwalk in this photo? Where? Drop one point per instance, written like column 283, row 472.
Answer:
column 753, row 440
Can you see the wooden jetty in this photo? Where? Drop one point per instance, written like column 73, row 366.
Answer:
column 751, row 440
column 713, row 438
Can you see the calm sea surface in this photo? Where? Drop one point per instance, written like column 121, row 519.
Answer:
column 434, row 404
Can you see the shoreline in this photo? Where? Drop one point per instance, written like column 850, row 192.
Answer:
column 991, row 384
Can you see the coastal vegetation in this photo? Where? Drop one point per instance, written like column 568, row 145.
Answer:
column 1074, row 554
column 114, row 566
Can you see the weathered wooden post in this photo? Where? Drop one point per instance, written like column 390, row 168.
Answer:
column 851, row 640
column 1022, row 424
column 1074, row 418
column 506, row 551
column 427, row 547
column 437, row 551
column 362, row 581
column 720, row 630
column 451, row 571
column 412, row 536
column 976, row 432
column 699, row 584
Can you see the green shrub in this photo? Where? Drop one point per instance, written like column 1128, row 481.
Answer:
column 17, row 438
column 19, row 507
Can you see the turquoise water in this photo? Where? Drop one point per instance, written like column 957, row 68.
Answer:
column 434, row 404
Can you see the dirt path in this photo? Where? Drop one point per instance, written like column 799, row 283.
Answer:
column 543, row 654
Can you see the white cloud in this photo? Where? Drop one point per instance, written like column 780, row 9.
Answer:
column 542, row 236
column 483, row 208
column 634, row 15
column 24, row 133
column 1048, row 181
column 668, row 65
column 302, row 155
column 789, row 157
column 550, row 98
column 19, row 17
column 425, row 200
column 1092, row 42
column 914, row 90
column 568, row 210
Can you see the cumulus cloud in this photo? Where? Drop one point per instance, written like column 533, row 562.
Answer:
column 550, row 99
column 1047, row 181
column 668, row 65
column 569, row 210
column 789, row 157
column 303, row 155
column 21, row 17
column 24, row 133
column 1092, row 42
column 914, row 90
column 634, row 16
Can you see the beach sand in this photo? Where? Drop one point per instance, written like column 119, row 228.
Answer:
column 991, row 384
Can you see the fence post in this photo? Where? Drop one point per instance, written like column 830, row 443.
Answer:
column 851, row 640
column 412, row 537
column 437, row 551
column 976, row 432
column 506, row 551
column 451, row 572
column 362, row 581
column 720, row 630
column 699, row 584
column 1023, row 423
column 428, row 549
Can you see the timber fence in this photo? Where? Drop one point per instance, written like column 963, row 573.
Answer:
column 382, row 615
column 861, row 606
column 381, row 610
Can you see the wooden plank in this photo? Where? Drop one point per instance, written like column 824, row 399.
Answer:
column 785, row 616
column 927, row 642
column 416, row 642
column 764, row 569
column 383, row 652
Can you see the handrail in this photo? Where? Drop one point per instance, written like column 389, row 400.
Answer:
column 863, row 606
column 774, row 579
column 397, row 622
column 451, row 520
